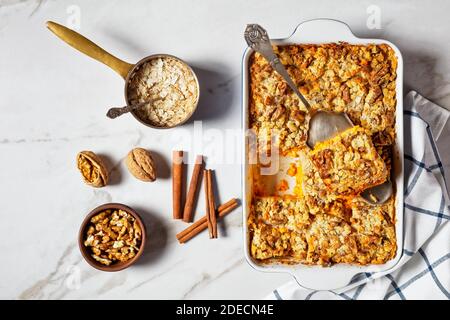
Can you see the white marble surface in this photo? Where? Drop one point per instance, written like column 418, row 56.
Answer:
column 52, row 104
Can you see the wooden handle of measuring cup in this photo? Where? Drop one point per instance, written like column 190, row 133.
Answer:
column 89, row 48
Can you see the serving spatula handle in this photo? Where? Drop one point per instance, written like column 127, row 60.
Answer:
column 258, row 39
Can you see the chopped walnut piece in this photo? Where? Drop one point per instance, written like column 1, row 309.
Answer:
column 112, row 236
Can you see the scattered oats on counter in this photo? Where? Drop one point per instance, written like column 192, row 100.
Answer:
column 113, row 236
column 170, row 86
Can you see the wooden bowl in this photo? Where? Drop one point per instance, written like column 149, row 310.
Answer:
column 86, row 251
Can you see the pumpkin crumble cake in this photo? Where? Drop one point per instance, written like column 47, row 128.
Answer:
column 325, row 221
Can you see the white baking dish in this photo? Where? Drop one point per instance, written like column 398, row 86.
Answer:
column 316, row 277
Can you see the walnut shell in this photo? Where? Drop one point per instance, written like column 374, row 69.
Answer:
column 92, row 169
column 141, row 165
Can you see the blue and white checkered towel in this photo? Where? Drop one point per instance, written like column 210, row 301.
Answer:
column 423, row 272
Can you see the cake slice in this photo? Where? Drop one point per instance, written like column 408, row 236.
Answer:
column 349, row 163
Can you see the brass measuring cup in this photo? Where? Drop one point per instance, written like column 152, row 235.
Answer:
column 124, row 69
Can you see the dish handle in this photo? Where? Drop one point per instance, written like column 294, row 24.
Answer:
column 324, row 278
column 322, row 31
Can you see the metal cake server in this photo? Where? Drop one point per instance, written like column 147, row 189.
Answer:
column 323, row 124
column 378, row 194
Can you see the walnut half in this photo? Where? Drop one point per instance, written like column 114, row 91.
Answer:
column 92, row 169
column 141, row 165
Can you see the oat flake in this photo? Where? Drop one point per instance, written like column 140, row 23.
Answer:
column 171, row 88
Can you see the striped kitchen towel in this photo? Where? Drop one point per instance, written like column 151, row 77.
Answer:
column 423, row 272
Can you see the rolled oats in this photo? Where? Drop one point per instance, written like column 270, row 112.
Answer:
column 169, row 86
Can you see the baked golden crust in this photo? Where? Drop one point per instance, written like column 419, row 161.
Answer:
column 349, row 163
column 277, row 227
column 353, row 232
column 375, row 231
column 356, row 79
column 325, row 221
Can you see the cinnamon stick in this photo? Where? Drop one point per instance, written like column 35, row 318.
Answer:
column 202, row 223
column 206, row 175
column 193, row 190
column 212, row 205
column 202, row 220
column 177, row 178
